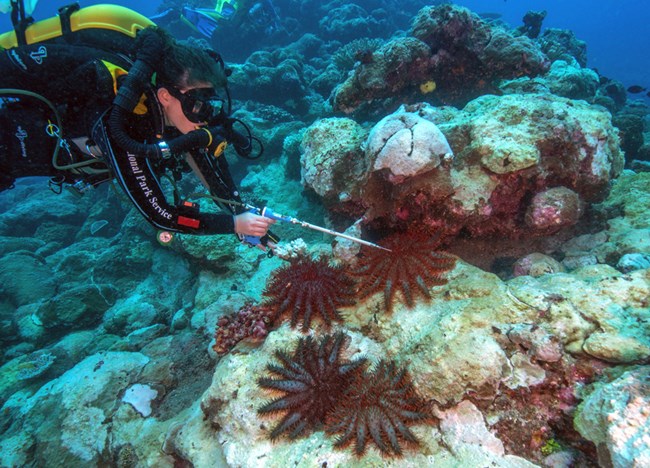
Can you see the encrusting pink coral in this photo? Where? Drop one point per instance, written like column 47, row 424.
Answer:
column 251, row 321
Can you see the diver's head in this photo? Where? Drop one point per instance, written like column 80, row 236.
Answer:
column 186, row 64
column 191, row 86
column 263, row 15
column 189, row 108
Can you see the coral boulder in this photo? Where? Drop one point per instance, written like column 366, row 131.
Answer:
column 406, row 145
column 464, row 55
column 522, row 165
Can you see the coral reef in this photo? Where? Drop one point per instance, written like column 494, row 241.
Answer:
column 566, row 79
column 271, row 78
column 35, row 366
column 562, row 44
column 83, row 428
column 313, row 378
column 631, row 127
column 536, row 264
column 532, row 23
column 545, row 364
column 331, row 157
column 618, row 426
column 537, row 420
column 464, row 55
column 291, row 250
column 309, row 288
column 411, row 265
column 140, row 396
column 518, row 343
column 358, row 50
column 251, row 322
column 633, row 261
column 539, row 154
column 404, row 145
column 553, row 209
column 385, row 74
column 348, row 22
column 379, row 406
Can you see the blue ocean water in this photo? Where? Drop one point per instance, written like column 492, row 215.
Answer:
column 616, row 31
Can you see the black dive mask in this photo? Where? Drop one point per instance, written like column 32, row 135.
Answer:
column 199, row 104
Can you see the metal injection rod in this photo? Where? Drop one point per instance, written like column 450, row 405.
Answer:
column 269, row 213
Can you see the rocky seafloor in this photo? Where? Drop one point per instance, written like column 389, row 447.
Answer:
column 536, row 351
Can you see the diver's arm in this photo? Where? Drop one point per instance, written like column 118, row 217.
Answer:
column 216, row 178
column 138, row 180
column 246, row 223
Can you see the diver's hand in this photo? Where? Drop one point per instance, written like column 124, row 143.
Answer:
column 149, row 46
column 250, row 224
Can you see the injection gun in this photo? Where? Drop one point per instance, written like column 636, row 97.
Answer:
column 269, row 213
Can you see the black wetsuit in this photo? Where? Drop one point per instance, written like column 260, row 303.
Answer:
column 81, row 83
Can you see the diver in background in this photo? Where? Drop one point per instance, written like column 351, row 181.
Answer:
column 229, row 15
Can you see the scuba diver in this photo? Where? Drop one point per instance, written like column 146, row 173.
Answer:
column 259, row 15
column 153, row 115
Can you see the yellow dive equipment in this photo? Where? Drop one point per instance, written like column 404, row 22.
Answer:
column 111, row 17
column 226, row 8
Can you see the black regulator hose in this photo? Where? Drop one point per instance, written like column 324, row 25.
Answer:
column 192, row 140
column 243, row 143
column 128, row 96
column 135, row 83
column 123, row 140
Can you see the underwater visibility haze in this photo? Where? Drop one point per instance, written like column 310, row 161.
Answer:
column 493, row 158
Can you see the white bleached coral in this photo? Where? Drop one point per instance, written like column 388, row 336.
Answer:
column 406, row 145
column 140, row 397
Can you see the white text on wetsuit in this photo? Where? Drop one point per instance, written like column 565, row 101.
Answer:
column 144, row 186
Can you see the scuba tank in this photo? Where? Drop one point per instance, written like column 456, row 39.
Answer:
column 107, row 27
column 91, row 41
